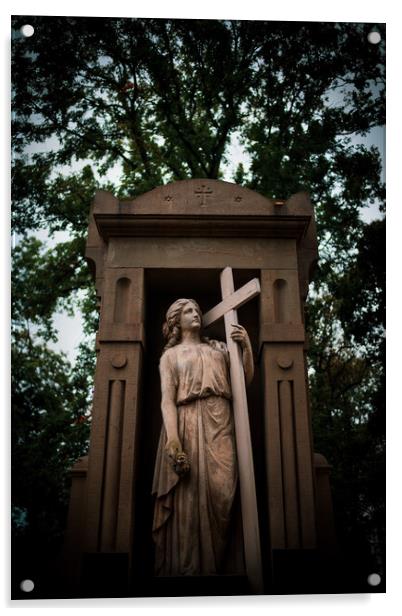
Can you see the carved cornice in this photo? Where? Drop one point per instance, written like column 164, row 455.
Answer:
column 202, row 209
column 188, row 225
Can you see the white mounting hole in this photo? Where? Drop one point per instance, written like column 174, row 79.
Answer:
column 374, row 37
column 374, row 579
column 27, row 585
column 27, row 30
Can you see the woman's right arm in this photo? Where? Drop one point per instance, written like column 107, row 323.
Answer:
column 169, row 408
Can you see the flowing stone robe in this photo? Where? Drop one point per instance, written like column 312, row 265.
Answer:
column 192, row 513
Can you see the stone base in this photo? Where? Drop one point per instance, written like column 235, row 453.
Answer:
column 105, row 575
column 186, row 586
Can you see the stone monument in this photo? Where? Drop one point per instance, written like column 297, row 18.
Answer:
column 200, row 239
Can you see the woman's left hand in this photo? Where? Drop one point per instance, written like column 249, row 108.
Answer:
column 240, row 335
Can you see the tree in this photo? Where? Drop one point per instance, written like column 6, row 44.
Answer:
column 128, row 104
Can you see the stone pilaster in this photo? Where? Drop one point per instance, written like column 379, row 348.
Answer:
column 288, row 446
column 115, row 422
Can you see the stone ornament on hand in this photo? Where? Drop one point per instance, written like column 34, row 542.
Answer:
column 178, row 458
column 181, row 464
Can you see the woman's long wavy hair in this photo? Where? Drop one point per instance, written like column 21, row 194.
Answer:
column 171, row 328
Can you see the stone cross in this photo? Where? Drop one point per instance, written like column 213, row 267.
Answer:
column 227, row 308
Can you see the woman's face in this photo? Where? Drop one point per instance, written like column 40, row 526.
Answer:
column 190, row 318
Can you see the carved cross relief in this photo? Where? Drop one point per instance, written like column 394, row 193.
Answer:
column 203, row 192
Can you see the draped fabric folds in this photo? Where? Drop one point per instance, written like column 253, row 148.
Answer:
column 192, row 513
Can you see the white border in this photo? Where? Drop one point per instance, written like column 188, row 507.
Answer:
column 307, row 10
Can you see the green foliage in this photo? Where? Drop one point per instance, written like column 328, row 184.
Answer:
column 128, row 104
column 49, row 431
column 46, row 281
column 347, row 360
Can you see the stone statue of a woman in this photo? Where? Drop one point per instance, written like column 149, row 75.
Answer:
column 195, row 474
